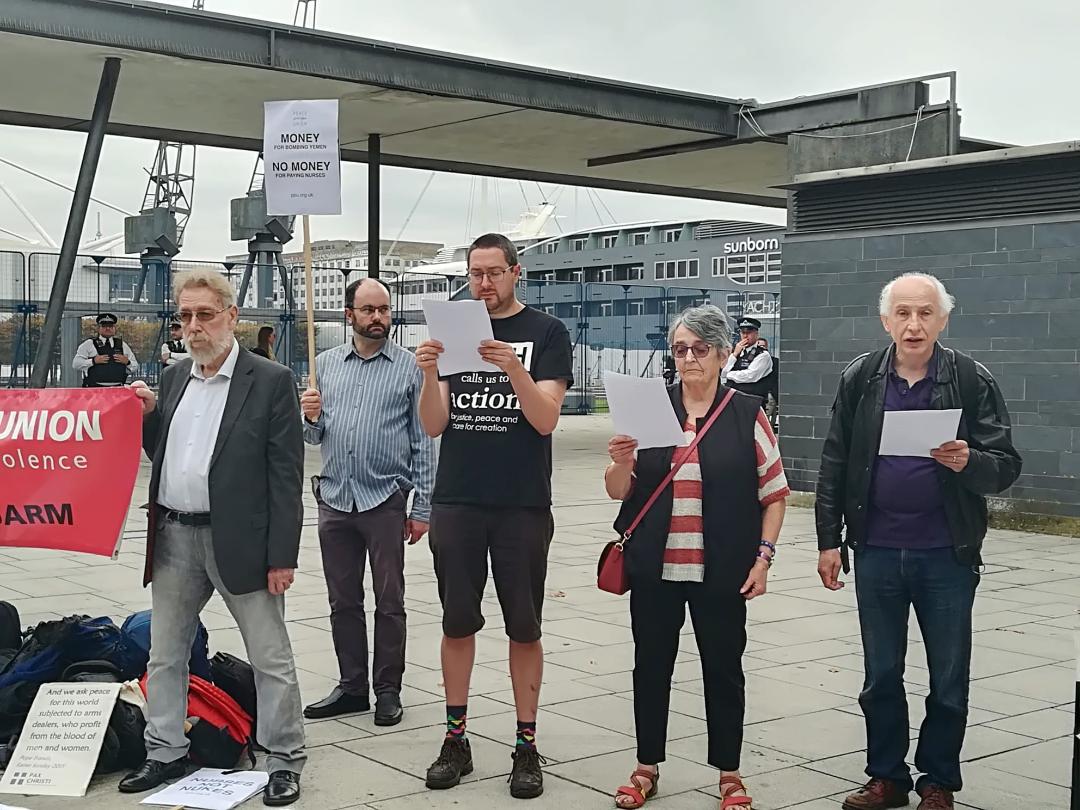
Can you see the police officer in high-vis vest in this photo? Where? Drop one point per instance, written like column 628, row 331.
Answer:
column 105, row 361
column 173, row 350
column 749, row 364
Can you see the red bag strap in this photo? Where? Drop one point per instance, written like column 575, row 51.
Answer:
column 675, row 467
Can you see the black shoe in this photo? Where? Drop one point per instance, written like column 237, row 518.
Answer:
column 454, row 762
column 526, row 779
column 151, row 774
column 388, row 711
column 337, row 702
column 283, row 788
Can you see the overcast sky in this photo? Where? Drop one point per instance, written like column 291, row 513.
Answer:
column 1017, row 66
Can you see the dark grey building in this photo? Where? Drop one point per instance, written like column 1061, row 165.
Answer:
column 1001, row 229
column 617, row 287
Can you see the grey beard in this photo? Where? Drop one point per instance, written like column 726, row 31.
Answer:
column 211, row 351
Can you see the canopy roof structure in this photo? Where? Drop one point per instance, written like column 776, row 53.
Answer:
column 201, row 78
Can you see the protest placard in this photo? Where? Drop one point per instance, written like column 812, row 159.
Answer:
column 68, row 460
column 61, row 739
column 211, row 789
column 301, row 164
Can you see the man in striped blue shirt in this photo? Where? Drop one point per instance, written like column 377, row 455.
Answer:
column 374, row 453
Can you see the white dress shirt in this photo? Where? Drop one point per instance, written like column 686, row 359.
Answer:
column 760, row 368
column 85, row 354
column 185, row 473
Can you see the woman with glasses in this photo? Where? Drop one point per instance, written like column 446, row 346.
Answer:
column 708, row 541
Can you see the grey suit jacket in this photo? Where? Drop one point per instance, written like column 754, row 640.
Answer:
column 256, row 470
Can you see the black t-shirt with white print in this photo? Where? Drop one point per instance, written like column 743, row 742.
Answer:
column 490, row 454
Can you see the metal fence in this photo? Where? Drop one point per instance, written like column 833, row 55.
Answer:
column 613, row 326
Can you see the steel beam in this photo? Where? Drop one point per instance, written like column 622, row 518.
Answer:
column 225, row 39
column 80, row 200
column 374, row 201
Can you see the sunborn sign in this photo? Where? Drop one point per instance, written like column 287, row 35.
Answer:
column 751, row 245
column 301, row 160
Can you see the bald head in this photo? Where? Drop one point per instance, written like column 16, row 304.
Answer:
column 368, row 309
column 914, row 311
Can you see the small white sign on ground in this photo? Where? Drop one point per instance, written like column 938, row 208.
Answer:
column 301, row 159
column 211, row 789
column 61, row 740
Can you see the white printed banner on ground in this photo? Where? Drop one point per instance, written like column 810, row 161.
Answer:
column 61, row 740
column 301, row 159
column 211, row 789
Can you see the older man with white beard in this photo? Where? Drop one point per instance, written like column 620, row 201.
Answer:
column 225, row 516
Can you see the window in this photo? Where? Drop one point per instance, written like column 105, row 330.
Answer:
column 575, row 275
column 548, row 309
column 607, row 274
column 664, row 270
column 637, row 307
column 718, row 268
column 575, row 310
column 609, row 240
column 605, row 309
column 756, row 272
column 550, row 247
column 579, row 244
column 671, row 235
column 635, row 273
column 548, row 276
column 772, row 274
column 639, row 238
column 680, row 268
column 736, row 269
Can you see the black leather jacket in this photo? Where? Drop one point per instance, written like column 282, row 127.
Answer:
column 847, row 459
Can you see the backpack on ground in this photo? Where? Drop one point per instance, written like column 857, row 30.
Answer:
column 220, row 731
column 123, row 746
column 10, row 627
column 133, row 654
column 42, row 658
column 236, row 677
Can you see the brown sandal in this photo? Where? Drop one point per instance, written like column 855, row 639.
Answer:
column 634, row 791
column 729, row 801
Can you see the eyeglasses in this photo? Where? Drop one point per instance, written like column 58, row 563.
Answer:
column 493, row 275
column 700, row 350
column 204, row 315
column 368, row 311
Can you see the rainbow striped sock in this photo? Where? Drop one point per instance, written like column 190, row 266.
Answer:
column 455, row 722
column 526, row 734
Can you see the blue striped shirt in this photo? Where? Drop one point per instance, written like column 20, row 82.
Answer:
column 372, row 442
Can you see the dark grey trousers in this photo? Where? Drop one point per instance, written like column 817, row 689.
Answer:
column 347, row 539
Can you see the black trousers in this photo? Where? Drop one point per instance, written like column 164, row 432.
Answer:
column 657, row 613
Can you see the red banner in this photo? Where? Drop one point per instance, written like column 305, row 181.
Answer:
column 68, row 462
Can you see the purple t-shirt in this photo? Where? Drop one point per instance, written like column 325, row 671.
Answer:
column 906, row 506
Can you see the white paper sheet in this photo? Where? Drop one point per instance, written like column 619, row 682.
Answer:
column 460, row 326
column 916, row 433
column 640, row 408
column 211, row 789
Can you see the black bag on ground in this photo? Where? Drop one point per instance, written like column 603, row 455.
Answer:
column 236, row 678
column 10, row 627
column 123, row 746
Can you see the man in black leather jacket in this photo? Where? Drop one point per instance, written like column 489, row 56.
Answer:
column 916, row 527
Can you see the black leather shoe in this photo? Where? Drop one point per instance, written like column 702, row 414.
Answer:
column 152, row 774
column 337, row 702
column 526, row 779
column 388, row 711
column 454, row 762
column 283, row 788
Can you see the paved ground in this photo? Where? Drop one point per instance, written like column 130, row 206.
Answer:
column 804, row 734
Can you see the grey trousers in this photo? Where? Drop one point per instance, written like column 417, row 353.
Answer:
column 346, row 538
column 185, row 577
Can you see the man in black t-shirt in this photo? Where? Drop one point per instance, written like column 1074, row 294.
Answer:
column 493, row 496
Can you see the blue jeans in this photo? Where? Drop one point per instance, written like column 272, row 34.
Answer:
column 888, row 582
